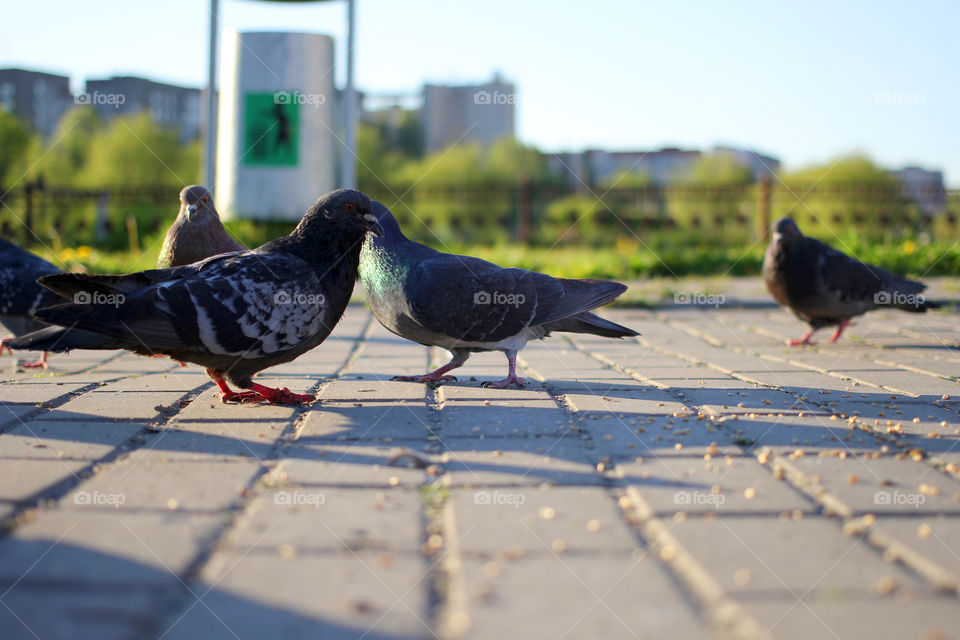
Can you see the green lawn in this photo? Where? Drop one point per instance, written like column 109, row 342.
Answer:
column 663, row 255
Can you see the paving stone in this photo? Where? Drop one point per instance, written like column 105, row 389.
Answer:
column 137, row 483
column 494, row 462
column 104, row 545
column 127, row 399
column 351, row 594
column 335, row 519
column 353, row 464
column 782, row 616
column 729, row 485
column 34, row 394
column 494, row 520
column 23, row 478
column 51, row 439
column 936, row 537
column 370, row 411
column 754, row 555
column 39, row 609
column 883, row 485
column 618, row 595
column 473, row 412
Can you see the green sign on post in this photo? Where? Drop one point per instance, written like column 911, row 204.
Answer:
column 271, row 126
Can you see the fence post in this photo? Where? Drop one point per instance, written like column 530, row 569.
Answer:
column 28, row 190
column 764, row 191
column 100, row 224
column 132, row 236
column 524, row 209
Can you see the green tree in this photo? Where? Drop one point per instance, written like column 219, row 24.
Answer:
column 846, row 194
column 132, row 152
column 713, row 193
column 509, row 161
column 69, row 147
column 15, row 143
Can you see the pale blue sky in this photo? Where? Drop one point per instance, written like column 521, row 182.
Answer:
column 798, row 80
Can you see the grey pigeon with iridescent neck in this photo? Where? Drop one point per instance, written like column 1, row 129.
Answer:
column 197, row 233
column 235, row 314
column 824, row 287
column 465, row 304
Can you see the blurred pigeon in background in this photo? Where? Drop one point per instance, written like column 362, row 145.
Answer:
column 197, row 233
column 20, row 295
column 235, row 314
column 824, row 287
column 465, row 304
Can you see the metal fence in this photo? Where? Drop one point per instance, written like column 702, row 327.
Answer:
column 525, row 212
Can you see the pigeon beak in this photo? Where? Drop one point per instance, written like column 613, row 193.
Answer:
column 192, row 209
column 372, row 225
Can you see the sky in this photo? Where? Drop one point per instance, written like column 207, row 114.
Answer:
column 804, row 81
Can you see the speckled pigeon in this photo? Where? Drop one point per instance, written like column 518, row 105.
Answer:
column 824, row 287
column 20, row 295
column 465, row 304
column 197, row 233
column 235, row 314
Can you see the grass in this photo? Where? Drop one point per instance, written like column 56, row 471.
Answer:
column 659, row 255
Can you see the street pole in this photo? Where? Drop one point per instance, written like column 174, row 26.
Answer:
column 348, row 164
column 210, row 146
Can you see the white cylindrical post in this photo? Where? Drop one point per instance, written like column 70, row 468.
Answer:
column 275, row 145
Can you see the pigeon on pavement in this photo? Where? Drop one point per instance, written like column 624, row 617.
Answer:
column 465, row 304
column 197, row 233
column 824, row 287
column 235, row 314
column 20, row 295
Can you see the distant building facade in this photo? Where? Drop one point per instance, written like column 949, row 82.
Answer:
column 38, row 99
column 663, row 166
column 481, row 113
column 169, row 105
column 924, row 188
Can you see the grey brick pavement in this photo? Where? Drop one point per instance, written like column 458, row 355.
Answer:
column 702, row 481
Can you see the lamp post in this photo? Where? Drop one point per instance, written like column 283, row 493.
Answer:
column 348, row 162
column 210, row 144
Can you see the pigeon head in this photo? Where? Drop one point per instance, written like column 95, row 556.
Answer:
column 786, row 230
column 391, row 230
column 346, row 210
column 196, row 204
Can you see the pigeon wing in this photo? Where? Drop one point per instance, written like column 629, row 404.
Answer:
column 473, row 300
column 248, row 306
column 847, row 287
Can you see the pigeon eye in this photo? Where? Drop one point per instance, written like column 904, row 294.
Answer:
column 205, row 199
column 350, row 207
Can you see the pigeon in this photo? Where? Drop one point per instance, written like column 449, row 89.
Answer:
column 20, row 295
column 824, row 287
column 235, row 314
column 465, row 304
column 197, row 233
